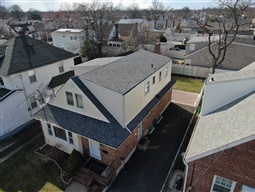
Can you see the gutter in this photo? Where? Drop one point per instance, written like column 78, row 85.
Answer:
column 186, row 174
column 128, row 130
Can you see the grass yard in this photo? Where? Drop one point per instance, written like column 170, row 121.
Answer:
column 188, row 84
column 27, row 171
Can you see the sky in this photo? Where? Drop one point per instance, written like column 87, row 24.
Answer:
column 46, row 5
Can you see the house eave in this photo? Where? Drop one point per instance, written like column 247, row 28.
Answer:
column 219, row 149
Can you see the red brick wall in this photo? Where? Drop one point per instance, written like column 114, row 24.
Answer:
column 156, row 111
column 237, row 164
column 109, row 155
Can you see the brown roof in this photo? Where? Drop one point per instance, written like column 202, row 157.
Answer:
column 125, row 30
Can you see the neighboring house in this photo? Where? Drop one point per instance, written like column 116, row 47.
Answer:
column 220, row 154
column 69, row 39
column 239, row 54
column 123, row 31
column 104, row 112
column 26, row 68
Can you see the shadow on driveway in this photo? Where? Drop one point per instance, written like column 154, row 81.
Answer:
column 147, row 171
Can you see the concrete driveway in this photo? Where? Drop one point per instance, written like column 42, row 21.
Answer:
column 147, row 170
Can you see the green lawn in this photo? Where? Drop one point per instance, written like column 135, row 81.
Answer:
column 27, row 171
column 188, row 84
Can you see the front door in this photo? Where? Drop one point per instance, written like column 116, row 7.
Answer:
column 94, row 147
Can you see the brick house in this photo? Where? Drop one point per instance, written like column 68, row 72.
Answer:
column 220, row 155
column 103, row 113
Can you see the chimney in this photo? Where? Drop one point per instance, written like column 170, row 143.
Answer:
column 157, row 48
column 116, row 31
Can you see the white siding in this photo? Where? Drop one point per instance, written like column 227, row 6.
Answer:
column 60, row 143
column 136, row 99
column 112, row 101
column 21, row 81
column 63, row 40
column 13, row 114
column 222, row 93
column 89, row 108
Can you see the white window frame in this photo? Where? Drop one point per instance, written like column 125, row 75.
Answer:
column 72, row 99
column 147, row 87
column 50, row 130
column 153, row 80
column 32, row 76
column 33, row 100
column 160, row 76
column 70, row 137
column 214, row 180
column 166, row 71
column 61, row 68
column 76, row 101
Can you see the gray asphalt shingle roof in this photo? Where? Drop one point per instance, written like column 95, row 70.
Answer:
column 24, row 53
column 228, row 124
column 60, row 79
column 111, row 134
column 122, row 75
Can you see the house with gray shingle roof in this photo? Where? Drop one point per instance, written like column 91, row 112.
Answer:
column 240, row 53
column 26, row 68
column 104, row 112
column 124, row 30
column 220, row 154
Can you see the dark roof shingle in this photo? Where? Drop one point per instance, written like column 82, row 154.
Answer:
column 24, row 53
column 60, row 79
column 124, row 74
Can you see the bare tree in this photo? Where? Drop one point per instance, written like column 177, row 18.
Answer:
column 16, row 11
column 229, row 22
column 98, row 16
column 158, row 10
column 134, row 11
column 67, row 13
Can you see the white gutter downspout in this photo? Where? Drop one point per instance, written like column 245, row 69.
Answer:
column 128, row 130
column 186, row 174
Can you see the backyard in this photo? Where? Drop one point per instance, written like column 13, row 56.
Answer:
column 27, row 171
column 188, row 84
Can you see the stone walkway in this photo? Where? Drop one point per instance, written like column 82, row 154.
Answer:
column 185, row 98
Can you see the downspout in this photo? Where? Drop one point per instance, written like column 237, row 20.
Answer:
column 186, row 174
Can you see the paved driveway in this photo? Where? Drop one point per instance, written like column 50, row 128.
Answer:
column 146, row 171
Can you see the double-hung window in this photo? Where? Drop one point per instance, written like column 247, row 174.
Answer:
column 70, row 137
column 31, row 75
column 33, row 102
column 147, row 87
column 221, row 184
column 61, row 67
column 49, row 129
column 160, row 76
column 69, row 98
column 79, row 101
column 153, row 80
column 166, row 71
